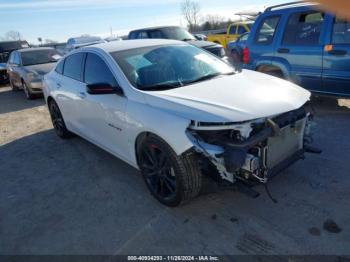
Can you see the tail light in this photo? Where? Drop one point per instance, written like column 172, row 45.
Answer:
column 245, row 55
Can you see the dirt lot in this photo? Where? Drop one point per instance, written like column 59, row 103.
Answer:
column 70, row 197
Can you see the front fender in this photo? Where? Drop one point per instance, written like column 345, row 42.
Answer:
column 143, row 118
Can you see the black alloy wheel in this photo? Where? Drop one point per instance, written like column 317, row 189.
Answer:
column 58, row 121
column 172, row 179
column 159, row 174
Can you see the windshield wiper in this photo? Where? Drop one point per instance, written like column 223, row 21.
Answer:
column 160, row 87
column 207, row 77
column 188, row 39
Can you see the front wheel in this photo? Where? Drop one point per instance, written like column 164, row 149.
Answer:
column 27, row 92
column 171, row 179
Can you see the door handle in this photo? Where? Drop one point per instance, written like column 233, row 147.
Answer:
column 283, row 50
column 82, row 95
column 338, row 52
column 58, row 85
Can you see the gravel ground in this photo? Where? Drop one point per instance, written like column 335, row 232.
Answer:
column 70, row 197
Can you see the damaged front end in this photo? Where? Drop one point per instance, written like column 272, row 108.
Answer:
column 254, row 150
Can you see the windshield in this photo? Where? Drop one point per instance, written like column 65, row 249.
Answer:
column 177, row 33
column 39, row 57
column 165, row 67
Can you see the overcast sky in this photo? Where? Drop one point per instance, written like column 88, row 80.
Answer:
column 60, row 19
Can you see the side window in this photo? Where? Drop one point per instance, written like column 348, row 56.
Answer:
column 16, row 59
column 241, row 30
column 59, row 67
column 233, row 30
column 341, row 31
column 97, row 72
column 156, row 34
column 266, row 31
column 10, row 61
column 139, row 35
column 73, row 65
column 304, row 28
column 133, row 35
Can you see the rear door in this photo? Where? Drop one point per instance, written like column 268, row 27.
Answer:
column 336, row 60
column 68, row 88
column 301, row 48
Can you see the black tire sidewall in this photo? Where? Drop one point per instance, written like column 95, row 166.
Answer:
column 65, row 132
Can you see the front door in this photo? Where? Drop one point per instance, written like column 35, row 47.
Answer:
column 336, row 59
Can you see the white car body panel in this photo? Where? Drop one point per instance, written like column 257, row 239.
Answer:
column 242, row 97
column 114, row 122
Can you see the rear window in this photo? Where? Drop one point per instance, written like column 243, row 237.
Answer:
column 341, row 31
column 37, row 57
column 304, row 29
column 73, row 66
column 266, row 31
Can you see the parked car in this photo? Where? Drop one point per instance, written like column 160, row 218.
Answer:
column 177, row 33
column 232, row 32
column 26, row 68
column 5, row 49
column 201, row 37
column 176, row 112
column 235, row 48
column 298, row 42
column 78, row 42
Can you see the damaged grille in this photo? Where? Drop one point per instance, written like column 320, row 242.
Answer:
column 285, row 144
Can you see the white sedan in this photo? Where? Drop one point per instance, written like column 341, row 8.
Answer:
column 177, row 113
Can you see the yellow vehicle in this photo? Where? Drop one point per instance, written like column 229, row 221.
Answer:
column 232, row 33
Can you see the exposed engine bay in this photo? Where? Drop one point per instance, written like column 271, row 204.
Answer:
column 255, row 150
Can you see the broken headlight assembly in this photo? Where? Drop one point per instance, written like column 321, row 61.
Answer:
column 254, row 150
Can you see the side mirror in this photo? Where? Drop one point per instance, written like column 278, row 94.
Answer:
column 103, row 89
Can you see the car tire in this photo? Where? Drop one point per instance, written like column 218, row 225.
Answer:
column 27, row 92
column 58, row 121
column 173, row 180
column 13, row 87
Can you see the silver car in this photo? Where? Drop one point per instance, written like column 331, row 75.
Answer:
column 26, row 68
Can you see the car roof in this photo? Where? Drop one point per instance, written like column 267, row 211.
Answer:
column 291, row 5
column 154, row 28
column 132, row 44
column 34, row 49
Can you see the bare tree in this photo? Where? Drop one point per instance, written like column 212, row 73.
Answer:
column 191, row 12
column 214, row 22
column 13, row 35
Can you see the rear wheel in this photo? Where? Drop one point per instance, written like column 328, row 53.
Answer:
column 171, row 179
column 58, row 121
column 271, row 71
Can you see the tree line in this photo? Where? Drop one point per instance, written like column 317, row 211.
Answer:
column 191, row 11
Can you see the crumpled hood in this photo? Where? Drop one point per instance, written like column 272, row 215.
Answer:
column 41, row 69
column 236, row 98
